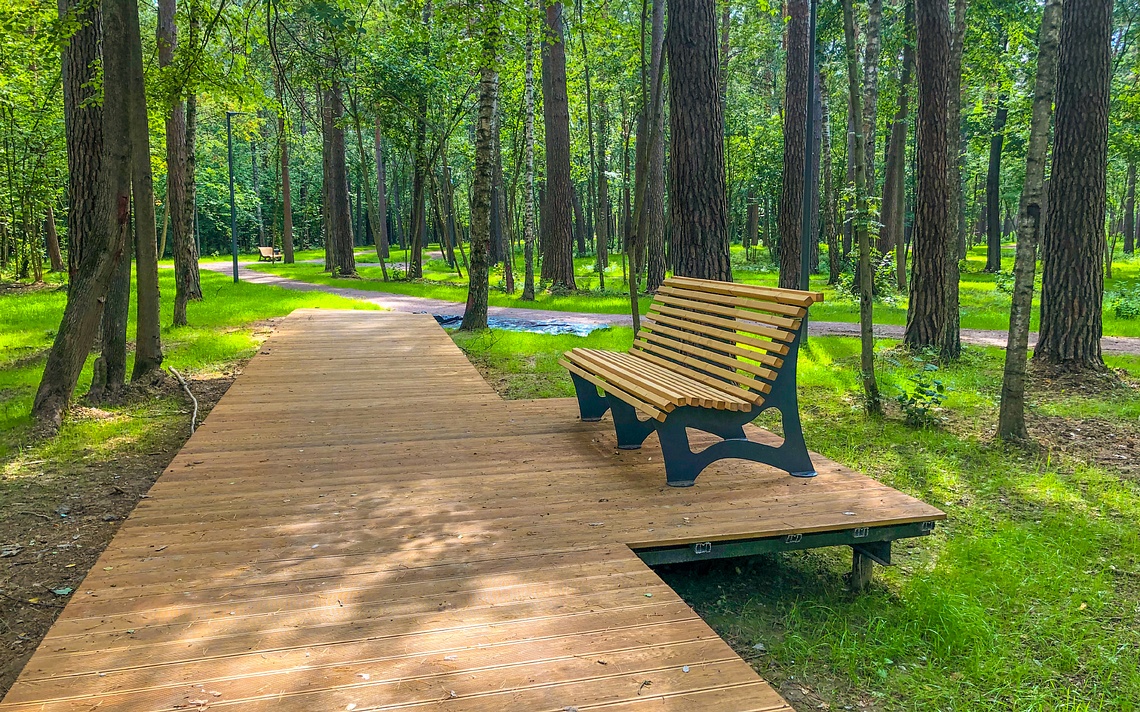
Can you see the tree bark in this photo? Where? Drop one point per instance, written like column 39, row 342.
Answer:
column 1130, row 209
column 1073, row 283
column 51, row 237
column 894, row 194
column 286, row 193
column 338, row 215
column 993, row 188
column 603, row 221
column 873, row 40
column 651, row 240
column 109, row 373
column 790, row 217
column 830, row 228
column 83, row 120
column 475, row 315
column 528, row 139
column 375, row 214
column 699, row 206
column 105, row 244
column 1030, row 213
column 871, row 400
column 927, row 315
column 148, row 334
column 958, row 144
column 558, row 245
column 380, row 228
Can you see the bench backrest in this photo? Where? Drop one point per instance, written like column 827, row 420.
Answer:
column 266, row 251
column 722, row 332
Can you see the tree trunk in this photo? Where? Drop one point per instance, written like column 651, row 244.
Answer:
column 1130, row 210
column 380, row 227
column 105, row 246
column 375, row 214
column 558, row 245
column 1011, row 418
column 338, row 216
column 873, row 40
column 958, row 144
column 699, row 207
column 1073, row 284
column 500, row 224
column 528, row 201
column 51, row 237
column 83, row 119
column 928, row 312
column 993, row 188
column 866, row 315
column 475, row 315
column 791, row 215
column 894, row 193
column 651, row 241
column 256, row 174
column 148, row 335
column 830, row 229
column 186, row 275
column 603, row 223
column 286, row 193
column 109, row 373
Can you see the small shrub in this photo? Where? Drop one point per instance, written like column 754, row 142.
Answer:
column 1125, row 303
column 922, row 403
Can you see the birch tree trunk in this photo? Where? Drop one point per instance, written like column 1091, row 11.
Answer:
column 528, row 202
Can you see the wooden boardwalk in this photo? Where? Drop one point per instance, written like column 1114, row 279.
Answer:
column 362, row 523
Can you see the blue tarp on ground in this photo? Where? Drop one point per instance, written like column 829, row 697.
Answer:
column 536, row 326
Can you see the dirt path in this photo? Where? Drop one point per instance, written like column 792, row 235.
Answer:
column 406, row 303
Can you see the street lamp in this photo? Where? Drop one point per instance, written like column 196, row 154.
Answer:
column 233, row 207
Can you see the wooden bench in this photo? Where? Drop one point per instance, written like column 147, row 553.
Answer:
column 712, row 356
column 269, row 254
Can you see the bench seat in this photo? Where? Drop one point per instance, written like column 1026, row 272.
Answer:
column 710, row 355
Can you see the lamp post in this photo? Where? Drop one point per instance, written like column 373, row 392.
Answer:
column 233, row 207
column 806, row 234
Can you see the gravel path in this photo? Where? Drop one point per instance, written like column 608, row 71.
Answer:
column 406, row 303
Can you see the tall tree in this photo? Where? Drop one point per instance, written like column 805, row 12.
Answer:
column 790, row 216
column 105, row 245
column 380, row 229
column 528, row 139
column 871, row 55
column 892, row 235
column 699, row 205
column 651, row 225
column 83, row 119
column 603, row 217
column 1130, row 209
column 871, row 401
column 928, row 310
column 558, row 243
column 993, row 187
column 286, row 190
column 337, row 212
column 475, row 315
column 830, row 227
column 951, row 335
column 1072, row 281
column 148, row 338
column 1030, row 213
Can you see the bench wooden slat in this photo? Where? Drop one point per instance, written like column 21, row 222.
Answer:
column 666, row 334
column 716, row 332
column 750, row 321
column 681, row 377
column 627, row 382
column 790, row 297
column 614, row 391
column 755, row 397
column 701, row 366
column 737, row 325
column 729, row 361
column 758, row 310
column 605, row 364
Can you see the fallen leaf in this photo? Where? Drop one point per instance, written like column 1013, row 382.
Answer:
column 66, row 590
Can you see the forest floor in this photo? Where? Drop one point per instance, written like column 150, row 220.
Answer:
column 307, row 275
column 62, row 499
column 1028, row 597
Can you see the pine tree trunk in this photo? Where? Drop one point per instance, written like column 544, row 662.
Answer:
column 148, row 335
column 51, row 237
column 893, row 201
column 83, row 119
column 286, row 193
column 1073, row 283
column 1130, row 210
column 993, row 188
column 528, row 201
column 186, row 276
column 958, row 145
column 1030, row 215
column 651, row 239
column 255, row 171
column 380, row 229
column 699, row 206
column 873, row 41
column 475, row 315
column 951, row 335
column 558, row 243
column 603, row 224
column 338, row 215
column 375, row 214
column 830, row 229
column 871, row 402
column 927, row 313
column 105, row 246
column 790, row 216
column 109, row 375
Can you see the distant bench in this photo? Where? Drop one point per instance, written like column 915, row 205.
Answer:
column 269, row 254
column 711, row 356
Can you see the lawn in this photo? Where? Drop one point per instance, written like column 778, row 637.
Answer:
column 985, row 299
column 1028, row 598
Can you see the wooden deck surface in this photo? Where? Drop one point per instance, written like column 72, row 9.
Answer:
column 362, row 523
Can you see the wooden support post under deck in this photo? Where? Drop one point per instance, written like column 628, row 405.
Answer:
column 862, row 569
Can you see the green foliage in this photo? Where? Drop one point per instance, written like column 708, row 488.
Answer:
column 1125, row 303
column 921, row 402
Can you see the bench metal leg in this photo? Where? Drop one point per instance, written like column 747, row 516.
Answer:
column 631, row 431
column 591, row 405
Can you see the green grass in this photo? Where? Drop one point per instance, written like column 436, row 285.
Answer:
column 221, row 333
column 983, row 304
column 1025, row 599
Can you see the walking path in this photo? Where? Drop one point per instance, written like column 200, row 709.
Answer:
column 410, row 304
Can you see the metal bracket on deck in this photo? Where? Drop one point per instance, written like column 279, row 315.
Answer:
column 877, row 551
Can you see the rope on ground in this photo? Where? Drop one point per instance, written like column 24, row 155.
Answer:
column 194, row 416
